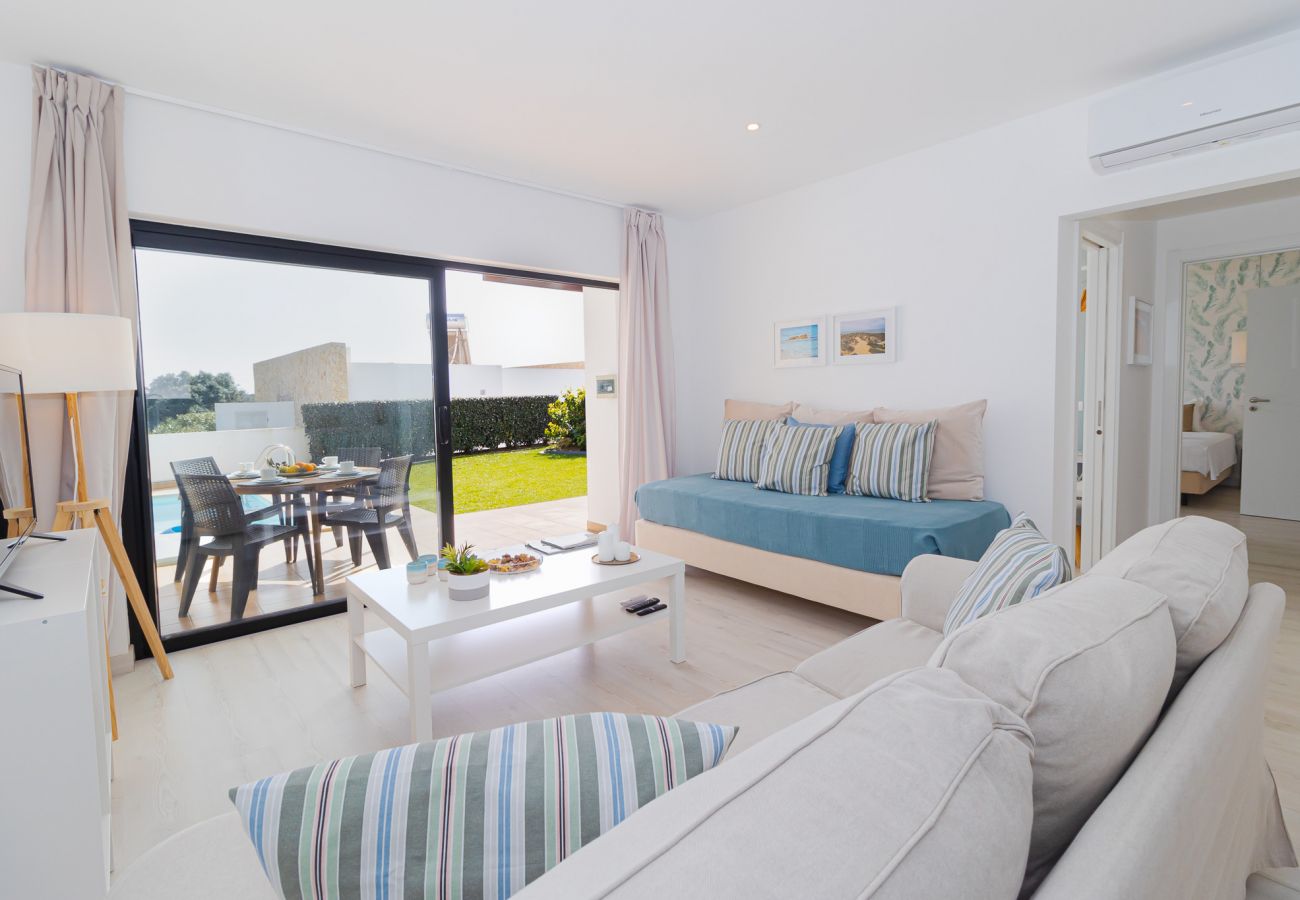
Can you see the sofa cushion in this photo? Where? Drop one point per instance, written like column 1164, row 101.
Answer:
column 839, row 470
column 957, row 470
column 811, row 415
column 874, row 653
column 1200, row 566
column 919, row 786
column 748, row 409
column 762, row 707
column 740, row 449
column 797, row 459
column 474, row 815
column 891, row 461
column 1088, row 666
column 1019, row 565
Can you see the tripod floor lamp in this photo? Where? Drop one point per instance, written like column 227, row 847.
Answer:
column 72, row 354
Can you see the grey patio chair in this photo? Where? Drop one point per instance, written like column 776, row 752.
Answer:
column 219, row 516
column 366, row 457
column 386, row 505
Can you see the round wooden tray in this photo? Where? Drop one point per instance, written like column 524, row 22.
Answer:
column 615, row 562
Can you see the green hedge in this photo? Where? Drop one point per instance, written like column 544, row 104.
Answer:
column 400, row 427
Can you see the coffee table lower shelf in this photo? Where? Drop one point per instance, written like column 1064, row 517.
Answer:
column 492, row 649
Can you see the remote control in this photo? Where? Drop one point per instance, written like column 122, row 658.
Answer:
column 638, row 600
column 644, row 604
column 652, row 609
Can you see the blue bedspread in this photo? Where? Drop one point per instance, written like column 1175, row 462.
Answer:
column 866, row 533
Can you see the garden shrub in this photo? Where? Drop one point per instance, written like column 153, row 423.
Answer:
column 399, row 427
column 568, row 425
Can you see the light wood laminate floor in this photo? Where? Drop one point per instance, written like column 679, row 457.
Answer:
column 252, row 706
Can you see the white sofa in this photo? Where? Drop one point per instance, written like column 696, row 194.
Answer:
column 847, row 778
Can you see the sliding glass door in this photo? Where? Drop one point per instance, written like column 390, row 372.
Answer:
column 295, row 422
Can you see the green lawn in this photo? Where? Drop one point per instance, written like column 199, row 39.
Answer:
column 510, row 478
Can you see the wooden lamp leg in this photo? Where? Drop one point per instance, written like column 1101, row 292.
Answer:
column 83, row 511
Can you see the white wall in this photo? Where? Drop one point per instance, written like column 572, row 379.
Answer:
column 968, row 240
column 600, row 336
column 228, row 448
column 1238, row 231
column 255, row 414
column 413, row 381
column 194, row 167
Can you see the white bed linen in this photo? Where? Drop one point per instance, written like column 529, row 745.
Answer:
column 1208, row 452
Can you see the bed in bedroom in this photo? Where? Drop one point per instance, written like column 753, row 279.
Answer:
column 1207, row 457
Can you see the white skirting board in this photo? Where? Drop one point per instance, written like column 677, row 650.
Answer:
column 865, row 593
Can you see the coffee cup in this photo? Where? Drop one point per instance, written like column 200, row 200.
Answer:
column 329, row 461
column 347, row 467
column 269, row 473
column 246, row 467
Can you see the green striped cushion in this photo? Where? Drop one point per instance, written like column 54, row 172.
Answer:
column 797, row 459
column 1019, row 565
column 477, row 815
column 891, row 460
column 742, row 448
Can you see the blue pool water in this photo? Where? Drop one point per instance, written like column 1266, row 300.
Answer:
column 167, row 511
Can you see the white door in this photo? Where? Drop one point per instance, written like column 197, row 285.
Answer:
column 1097, row 525
column 1270, row 468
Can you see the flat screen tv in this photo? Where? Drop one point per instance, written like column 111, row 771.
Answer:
column 17, row 486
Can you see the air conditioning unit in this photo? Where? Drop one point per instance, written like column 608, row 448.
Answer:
column 1249, row 95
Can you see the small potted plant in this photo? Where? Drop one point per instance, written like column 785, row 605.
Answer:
column 467, row 574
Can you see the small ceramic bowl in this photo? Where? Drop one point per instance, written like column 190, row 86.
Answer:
column 417, row 572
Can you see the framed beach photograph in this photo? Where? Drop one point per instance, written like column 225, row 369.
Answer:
column 1139, row 332
column 799, row 342
column 864, row 337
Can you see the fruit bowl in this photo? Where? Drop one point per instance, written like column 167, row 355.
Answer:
column 514, row 563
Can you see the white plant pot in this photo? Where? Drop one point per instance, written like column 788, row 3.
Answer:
column 468, row 587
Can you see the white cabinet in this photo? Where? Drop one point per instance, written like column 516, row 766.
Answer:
column 55, row 738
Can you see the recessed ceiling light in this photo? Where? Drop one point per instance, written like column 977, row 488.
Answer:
column 753, row 126
column 1187, row 103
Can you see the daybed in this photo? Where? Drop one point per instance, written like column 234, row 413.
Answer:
column 840, row 550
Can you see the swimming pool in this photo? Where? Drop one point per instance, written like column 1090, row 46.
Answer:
column 167, row 511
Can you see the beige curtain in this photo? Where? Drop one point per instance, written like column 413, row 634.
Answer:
column 646, row 411
column 79, row 260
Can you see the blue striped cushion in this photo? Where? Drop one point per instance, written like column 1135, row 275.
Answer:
column 477, row 815
column 891, row 460
column 741, row 448
column 1019, row 565
column 797, row 459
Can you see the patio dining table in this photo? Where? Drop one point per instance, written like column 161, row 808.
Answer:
column 317, row 488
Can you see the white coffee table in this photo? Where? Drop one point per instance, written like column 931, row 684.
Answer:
column 432, row 642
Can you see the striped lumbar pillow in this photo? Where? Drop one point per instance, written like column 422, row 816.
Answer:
column 891, row 461
column 797, row 459
column 478, row 815
column 742, row 448
column 1019, row 565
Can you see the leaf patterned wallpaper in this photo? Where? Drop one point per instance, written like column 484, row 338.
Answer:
column 1214, row 295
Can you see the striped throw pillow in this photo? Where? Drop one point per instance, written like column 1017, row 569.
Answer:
column 797, row 459
column 891, row 460
column 478, row 815
column 742, row 448
column 1019, row 565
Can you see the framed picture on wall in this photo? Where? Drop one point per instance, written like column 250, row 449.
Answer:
column 865, row 337
column 799, row 342
column 1139, row 332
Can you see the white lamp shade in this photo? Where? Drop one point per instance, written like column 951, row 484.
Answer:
column 69, row 353
column 1237, row 349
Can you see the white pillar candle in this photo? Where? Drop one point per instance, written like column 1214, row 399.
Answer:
column 622, row 551
column 605, row 546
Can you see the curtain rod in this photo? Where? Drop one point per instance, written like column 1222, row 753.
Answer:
column 306, row 132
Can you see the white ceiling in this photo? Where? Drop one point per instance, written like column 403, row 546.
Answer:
column 640, row 103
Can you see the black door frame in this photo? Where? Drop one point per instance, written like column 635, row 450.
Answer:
column 137, row 510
